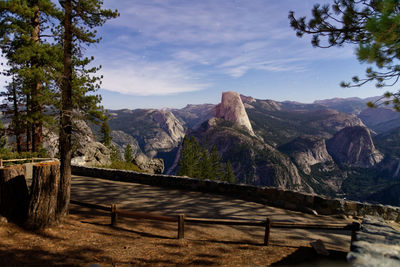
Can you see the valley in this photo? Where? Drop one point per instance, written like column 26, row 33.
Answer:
column 337, row 147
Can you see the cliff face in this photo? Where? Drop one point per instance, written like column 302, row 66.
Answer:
column 353, row 146
column 153, row 130
column 232, row 109
column 307, row 151
column 254, row 162
column 87, row 151
column 192, row 116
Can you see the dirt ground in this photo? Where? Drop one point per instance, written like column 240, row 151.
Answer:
column 87, row 238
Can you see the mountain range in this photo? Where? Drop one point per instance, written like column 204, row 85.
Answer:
column 336, row 147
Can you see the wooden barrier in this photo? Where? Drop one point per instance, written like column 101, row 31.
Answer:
column 182, row 219
column 267, row 231
column 114, row 215
column 181, row 226
column 91, row 206
column 311, row 226
column 355, row 227
column 224, row 221
column 31, row 160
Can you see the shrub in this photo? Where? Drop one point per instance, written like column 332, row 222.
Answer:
column 121, row 165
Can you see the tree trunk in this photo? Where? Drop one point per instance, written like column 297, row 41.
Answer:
column 42, row 208
column 13, row 193
column 37, row 136
column 27, row 125
column 66, row 115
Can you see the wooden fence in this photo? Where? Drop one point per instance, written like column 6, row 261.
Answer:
column 30, row 160
column 181, row 219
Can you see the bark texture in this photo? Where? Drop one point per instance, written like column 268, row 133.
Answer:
column 66, row 115
column 42, row 208
column 14, row 194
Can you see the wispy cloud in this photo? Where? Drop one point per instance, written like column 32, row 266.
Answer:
column 148, row 78
column 176, row 38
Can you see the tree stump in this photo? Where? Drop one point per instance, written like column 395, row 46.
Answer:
column 43, row 196
column 14, row 194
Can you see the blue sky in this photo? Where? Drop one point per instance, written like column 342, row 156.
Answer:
column 169, row 53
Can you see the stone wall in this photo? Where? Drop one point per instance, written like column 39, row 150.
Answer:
column 291, row 200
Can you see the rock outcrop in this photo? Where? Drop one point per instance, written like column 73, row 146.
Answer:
column 154, row 130
column 192, row 116
column 353, row 146
column 307, row 151
column 149, row 165
column 121, row 139
column 86, row 150
column 232, row 109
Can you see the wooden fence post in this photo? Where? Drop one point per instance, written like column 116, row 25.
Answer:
column 181, row 226
column 267, row 231
column 114, row 215
column 355, row 227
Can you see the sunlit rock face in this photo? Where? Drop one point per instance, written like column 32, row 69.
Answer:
column 232, row 109
column 87, row 151
column 307, row 151
column 353, row 146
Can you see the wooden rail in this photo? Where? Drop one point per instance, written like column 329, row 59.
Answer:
column 182, row 219
column 27, row 159
column 311, row 226
column 91, row 206
column 224, row 221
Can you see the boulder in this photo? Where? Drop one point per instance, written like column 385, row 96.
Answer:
column 148, row 164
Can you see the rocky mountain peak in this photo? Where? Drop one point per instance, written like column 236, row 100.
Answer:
column 232, row 109
column 247, row 99
column 353, row 146
column 169, row 123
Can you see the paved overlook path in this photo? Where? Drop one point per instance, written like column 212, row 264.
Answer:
column 139, row 197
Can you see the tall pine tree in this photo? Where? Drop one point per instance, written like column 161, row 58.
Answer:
column 195, row 161
column 78, row 22
column 32, row 57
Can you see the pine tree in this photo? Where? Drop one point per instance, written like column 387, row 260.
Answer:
column 185, row 161
column 205, row 165
column 190, row 158
column 373, row 25
column 217, row 172
column 23, row 24
column 229, row 175
column 115, row 155
column 78, row 23
column 3, row 138
column 128, row 154
column 197, row 162
column 105, row 133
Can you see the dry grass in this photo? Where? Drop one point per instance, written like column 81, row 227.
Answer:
column 86, row 238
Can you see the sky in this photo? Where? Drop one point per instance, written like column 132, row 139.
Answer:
column 170, row 53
